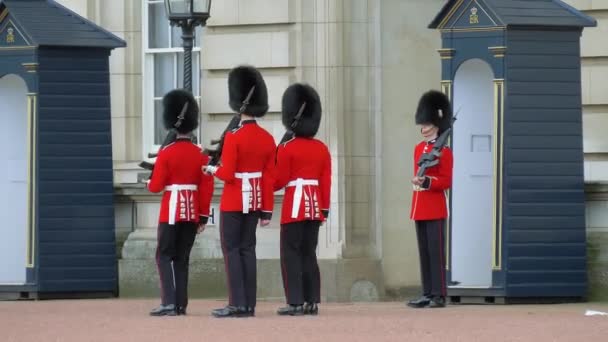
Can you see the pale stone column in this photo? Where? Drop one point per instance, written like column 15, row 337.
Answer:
column 320, row 63
column 595, row 120
column 410, row 66
column 339, row 57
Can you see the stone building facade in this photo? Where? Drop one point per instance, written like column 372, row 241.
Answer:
column 370, row 61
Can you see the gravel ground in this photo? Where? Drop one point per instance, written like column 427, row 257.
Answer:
column 127, row 320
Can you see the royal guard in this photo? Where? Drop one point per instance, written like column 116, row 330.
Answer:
column 304, row 170
column 429, row 203
column 185, row 203
column 247, row 169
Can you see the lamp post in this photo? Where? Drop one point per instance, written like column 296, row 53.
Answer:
column 188, row 14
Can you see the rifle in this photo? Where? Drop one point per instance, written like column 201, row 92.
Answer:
column 431, row 158
column 289, row 134
column 169, row 139
column 216, row 154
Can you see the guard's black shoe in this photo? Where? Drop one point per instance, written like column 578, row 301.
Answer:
column 181, row 311
column 437, row 302
column 250, row 311
column 420, row 302
column 311, row 309
column 230, row 311
column 164, row 310
column 291, row 310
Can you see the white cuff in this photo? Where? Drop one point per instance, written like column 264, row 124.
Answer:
column 210, row 169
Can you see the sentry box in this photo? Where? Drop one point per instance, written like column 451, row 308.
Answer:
column 57, row 212
column 517, row 213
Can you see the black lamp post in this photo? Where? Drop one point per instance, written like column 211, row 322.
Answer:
column 188, row 14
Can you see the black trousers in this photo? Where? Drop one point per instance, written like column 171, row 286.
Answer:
column 172, row 260
column 299, row 267
column 431, row 243
column 237, row 232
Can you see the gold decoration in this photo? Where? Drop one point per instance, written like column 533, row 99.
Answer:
column 474, row 18
column 10, row 35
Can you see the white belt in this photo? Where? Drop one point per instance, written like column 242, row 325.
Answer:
column 246, row 187
column 297, row 195
column 175, row 189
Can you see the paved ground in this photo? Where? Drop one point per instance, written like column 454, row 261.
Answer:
column 127, row 320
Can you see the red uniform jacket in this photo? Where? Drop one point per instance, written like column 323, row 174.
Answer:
column 430, row 203
column 309, row 160
column 178, row 165
column 247, row 150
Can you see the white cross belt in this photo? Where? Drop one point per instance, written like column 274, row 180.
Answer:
column 175, row 189
column 297, row 195
column 246, row 187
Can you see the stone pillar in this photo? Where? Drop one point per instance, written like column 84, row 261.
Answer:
column 340, row 57
column 597, row 239
column 594, row 71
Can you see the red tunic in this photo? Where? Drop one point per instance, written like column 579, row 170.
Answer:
column 248, row 152
column 178, row 165
column 431, row 203
column 309, row 160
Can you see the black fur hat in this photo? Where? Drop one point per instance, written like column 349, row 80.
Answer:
column 174, row 102
column 434, row 107
column 293, row 99
column 240, row 81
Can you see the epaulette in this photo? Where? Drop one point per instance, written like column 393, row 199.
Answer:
column 236, row 129
column 164, row 148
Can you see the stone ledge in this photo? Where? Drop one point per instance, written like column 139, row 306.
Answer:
column 343, row 280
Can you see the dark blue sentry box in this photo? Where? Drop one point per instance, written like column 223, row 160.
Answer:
column 517, row 207
column 57, row 229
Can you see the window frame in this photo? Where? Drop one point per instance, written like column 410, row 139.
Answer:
column 148, row 78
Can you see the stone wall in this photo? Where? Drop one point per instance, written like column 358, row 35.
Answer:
column 594, row 52
column 370, row 61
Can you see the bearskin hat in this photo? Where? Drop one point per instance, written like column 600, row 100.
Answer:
column 434, row 107
column 174, row 102
column 293, row 99
column 240, row 81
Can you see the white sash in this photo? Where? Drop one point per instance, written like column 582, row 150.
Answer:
column 297, row 195
column 246, row 187
column 175, row 189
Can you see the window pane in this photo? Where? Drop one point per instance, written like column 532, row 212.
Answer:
column 195, row 71
column 176, row 36
column 164, row 66
column 159, row 129
column 158, row 26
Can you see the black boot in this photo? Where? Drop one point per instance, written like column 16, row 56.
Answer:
column 164, row 310
column 250, row 311
column 230, row 311
column 311, row 309
column 437, row 302
column 420, row 302
column 181, row 311
column 291, row 310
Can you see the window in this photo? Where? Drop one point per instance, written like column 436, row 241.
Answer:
column 163, row 69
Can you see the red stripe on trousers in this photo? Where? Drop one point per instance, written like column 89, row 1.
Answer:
column 283, row 269
column 441, row 260
column 160, row 275
column 226, row 268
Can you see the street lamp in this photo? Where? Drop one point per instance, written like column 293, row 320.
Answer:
column 188, row 14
